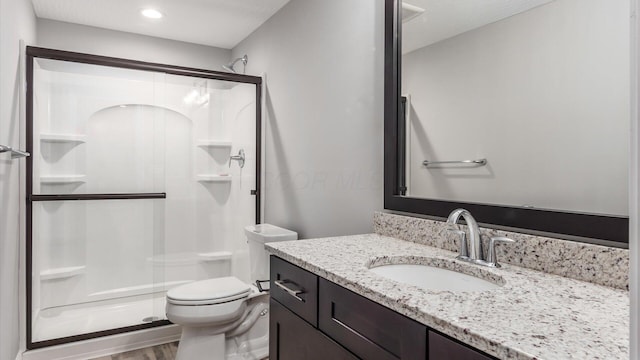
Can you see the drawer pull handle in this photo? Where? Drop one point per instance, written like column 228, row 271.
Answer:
column 282, row 285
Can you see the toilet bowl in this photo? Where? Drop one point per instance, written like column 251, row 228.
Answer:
column 226, row 318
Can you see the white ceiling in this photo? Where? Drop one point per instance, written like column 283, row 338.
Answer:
column 219, row 23
column 443, row 19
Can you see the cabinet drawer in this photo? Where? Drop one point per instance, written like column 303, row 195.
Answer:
column 291, row 338
column 295, row 288
column 444, row 348
column 369, row 330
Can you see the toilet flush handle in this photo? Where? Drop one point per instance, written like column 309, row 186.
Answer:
column 260, row 287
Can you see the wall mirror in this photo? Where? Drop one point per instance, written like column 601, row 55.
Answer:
column 518, row 110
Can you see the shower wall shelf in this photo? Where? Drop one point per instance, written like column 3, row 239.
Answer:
column 214, row 178
column 61, row 273
column 63, row 179
column 214, row 144
column 63, row 138
column 214, row 256
column 175, row 259
column 189, row 258
column 137, row 290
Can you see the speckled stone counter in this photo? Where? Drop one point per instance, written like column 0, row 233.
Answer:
column 534, row 315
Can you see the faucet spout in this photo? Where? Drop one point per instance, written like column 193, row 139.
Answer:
column 475, row 242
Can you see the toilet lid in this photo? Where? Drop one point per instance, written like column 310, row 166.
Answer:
column 206, row 292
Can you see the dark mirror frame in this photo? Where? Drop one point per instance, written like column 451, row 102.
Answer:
column 569, row 225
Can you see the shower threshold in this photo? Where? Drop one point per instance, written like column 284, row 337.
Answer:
column 72, row 320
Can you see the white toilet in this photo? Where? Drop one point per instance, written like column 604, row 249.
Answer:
column 225, row 318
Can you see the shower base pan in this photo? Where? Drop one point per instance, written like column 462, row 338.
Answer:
column 72, row 320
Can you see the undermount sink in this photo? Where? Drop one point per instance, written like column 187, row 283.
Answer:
column 433, row 278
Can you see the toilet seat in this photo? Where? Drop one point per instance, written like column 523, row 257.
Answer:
column 209, row 292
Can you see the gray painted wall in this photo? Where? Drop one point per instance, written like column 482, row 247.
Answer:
column 17, row 21
column 93, row 40
column 324, row 66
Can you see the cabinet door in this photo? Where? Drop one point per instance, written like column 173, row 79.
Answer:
column 369, row 330
column 443, row 348
column 291, row 338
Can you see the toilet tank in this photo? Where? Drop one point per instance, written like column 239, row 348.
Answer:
column 257, row 236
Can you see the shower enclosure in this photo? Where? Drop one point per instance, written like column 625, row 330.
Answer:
column 142, row 178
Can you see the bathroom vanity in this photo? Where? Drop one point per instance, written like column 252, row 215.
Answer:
column 327, row 304
column 325, row 320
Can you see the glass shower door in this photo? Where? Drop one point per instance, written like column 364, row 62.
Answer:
column 140, row 181
column 209, row 195
column 97, row 197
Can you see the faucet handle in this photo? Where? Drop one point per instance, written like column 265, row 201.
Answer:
column 492, row 260
column 464, row 249
column 239, row 158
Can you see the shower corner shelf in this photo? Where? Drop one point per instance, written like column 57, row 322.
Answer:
column 214, row 144
column 61, row 273
column 62, row 179
column 215, row 256
column 218, row 178
column 63, row 138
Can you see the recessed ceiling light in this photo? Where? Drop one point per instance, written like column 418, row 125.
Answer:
column 152, row 13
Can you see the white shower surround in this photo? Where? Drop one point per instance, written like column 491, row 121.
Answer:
column 117, row 248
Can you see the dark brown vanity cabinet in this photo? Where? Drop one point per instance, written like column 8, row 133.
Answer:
column 286, row 280
column 368, row 329
column 294, row 317
column 313, row 318
column 292, row 338
column 442, row 347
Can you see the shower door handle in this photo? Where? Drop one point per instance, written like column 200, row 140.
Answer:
column 14, row 153
column 239, row 158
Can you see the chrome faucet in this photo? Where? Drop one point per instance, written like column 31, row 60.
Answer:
column 475, row 244
column 471, row 250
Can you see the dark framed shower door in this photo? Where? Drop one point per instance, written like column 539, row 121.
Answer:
column 33, row 53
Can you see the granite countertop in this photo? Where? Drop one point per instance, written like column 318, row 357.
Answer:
column 535, row 315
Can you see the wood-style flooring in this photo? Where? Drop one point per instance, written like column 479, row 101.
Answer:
column 160, row 352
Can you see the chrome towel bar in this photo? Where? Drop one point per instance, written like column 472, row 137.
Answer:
column 472, row 163
column 14, row 153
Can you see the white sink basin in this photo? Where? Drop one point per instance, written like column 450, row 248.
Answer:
column 433, row 278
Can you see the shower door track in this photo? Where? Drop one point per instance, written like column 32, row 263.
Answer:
column 37, row 52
